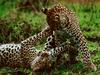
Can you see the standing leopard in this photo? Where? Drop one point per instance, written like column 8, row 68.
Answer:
column 61, row 19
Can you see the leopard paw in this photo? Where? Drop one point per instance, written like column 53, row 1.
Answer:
column 92, row 67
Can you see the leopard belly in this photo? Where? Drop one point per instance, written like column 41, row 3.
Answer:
column 10, row 55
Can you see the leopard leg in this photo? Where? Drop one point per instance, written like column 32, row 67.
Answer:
column 72, row 54
column 27, row 44
column 31, row 41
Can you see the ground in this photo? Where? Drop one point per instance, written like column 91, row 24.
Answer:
column 16, row 25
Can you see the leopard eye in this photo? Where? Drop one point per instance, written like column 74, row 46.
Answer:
column 56, row 17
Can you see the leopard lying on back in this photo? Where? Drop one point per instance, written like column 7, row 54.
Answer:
column 10, row 55
column 16, row 55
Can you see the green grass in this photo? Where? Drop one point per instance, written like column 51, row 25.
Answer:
column 36, row 22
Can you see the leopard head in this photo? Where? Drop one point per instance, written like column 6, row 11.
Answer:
column 41, row 62
column 56, row 16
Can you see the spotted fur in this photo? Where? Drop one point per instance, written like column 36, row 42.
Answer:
column 10, row 55
column 30, row 42
column 61, row 19
column 15, row 55
column 51, row 56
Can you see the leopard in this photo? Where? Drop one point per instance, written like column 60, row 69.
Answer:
column 65, row 22
column 21, row 54
column 11, row 54
column 16, row 55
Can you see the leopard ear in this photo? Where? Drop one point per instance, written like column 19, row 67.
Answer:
column 44, row 10
column 45, row 54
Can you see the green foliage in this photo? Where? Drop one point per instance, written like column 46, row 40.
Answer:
column 15, row 26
